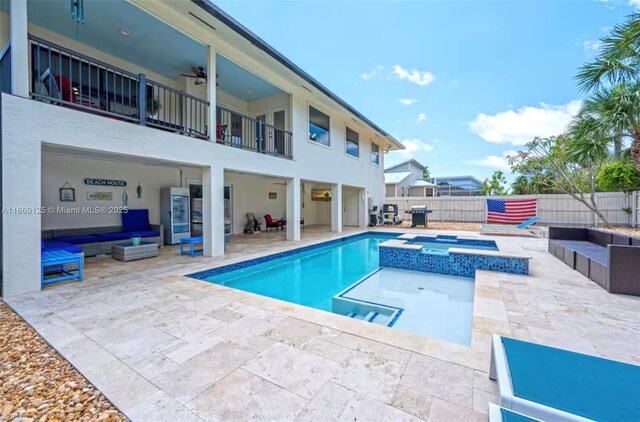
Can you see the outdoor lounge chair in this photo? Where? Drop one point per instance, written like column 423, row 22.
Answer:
column 558, row 385
column 524, row 227
column 272, row 224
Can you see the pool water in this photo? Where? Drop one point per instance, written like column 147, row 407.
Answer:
column 309, row 278
column 426, row 303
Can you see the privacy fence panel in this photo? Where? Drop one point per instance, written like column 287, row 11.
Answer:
column 552, row 209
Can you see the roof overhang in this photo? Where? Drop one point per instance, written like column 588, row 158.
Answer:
column 225, row 19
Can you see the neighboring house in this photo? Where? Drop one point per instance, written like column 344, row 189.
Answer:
column 406, row 179
column 457, row 185
column 246, row 129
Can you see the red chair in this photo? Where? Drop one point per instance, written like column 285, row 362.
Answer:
column 272, row 224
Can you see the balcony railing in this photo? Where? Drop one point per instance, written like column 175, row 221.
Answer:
column 70, row 79
column 245, row 132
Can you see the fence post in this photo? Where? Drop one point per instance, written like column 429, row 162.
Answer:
column 142, row 99
column 635, row 196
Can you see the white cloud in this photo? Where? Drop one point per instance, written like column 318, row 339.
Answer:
column 417, row 77
column 635, row 4
column 521, row 126
column 494, row 162
column 377, row 69
column 413, row 147
column 407, row 101
column 421, row 117
column 590, row 46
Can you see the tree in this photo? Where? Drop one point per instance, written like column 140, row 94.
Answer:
column 426, row 173
column 574, row 167
column 496, row 185
column 620, row 175
column 613, row 78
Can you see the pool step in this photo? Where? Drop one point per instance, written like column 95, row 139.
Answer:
column 374, row 317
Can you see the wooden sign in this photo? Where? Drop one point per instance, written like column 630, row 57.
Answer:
column 104, row 182
column 99, row 196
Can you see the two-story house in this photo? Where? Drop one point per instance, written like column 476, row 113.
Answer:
column 407, row 179
column 154, row 94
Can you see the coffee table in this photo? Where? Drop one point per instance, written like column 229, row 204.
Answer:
column 128, row 252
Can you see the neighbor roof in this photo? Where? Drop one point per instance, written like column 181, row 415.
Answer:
column 395, row 177
column 243, row 31
column 413, row 161
column 421, row 183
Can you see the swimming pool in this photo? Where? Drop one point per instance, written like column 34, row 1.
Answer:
column 315, row 276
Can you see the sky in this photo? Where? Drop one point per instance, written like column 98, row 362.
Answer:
column 461, row 84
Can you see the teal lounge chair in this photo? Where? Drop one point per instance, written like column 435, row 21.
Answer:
column 552, row 384
column 524, row 227
column 500, row 414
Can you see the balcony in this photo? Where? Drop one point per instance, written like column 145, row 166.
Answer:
column 69, row 79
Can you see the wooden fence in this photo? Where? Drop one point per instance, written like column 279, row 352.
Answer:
column 552, row 209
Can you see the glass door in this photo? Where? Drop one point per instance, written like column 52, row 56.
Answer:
column 180, row 213
column 228, row 209
column 279, row 135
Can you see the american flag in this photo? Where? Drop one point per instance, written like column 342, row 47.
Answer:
column 511, row 211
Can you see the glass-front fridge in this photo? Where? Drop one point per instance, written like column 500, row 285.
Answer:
column 175, row 214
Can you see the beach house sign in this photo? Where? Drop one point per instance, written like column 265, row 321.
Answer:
column 105, row 182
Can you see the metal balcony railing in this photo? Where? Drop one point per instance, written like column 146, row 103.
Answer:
column 245, row 132
column 63, row 77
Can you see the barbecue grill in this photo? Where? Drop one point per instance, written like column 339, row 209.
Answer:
column 419, row 215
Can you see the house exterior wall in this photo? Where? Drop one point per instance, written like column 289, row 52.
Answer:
column 416, row 174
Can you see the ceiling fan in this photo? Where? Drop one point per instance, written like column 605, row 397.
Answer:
column 199, row 74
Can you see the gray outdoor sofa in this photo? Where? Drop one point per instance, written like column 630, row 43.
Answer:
column 609, row 259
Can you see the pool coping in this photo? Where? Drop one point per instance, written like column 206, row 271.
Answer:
column 484, row 323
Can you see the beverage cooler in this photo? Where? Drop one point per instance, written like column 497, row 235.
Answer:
column 174, row 214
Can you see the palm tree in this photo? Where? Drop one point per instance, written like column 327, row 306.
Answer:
column 613, row 110
column 612, row 115
column 619, row 58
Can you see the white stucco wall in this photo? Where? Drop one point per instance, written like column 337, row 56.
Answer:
column 56, row 170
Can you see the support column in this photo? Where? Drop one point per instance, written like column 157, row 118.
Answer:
column 293, row 209
column 18, row 33
column 211, row 93
column 336, row 208
column 21, row 222
column 213, row 210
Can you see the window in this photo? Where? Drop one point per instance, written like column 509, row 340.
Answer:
column 318, row 126
column 375, row 154
column 353, row 143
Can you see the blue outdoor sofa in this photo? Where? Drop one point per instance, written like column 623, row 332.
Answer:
column 98, row 240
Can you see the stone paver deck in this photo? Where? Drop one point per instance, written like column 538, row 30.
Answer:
column 163, row 347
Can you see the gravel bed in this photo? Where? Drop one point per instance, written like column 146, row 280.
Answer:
column 37, row 384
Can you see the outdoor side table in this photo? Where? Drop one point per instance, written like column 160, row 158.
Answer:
column 129, row 252
column 192, row 242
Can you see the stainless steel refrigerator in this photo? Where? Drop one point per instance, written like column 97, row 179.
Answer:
column 174, row 214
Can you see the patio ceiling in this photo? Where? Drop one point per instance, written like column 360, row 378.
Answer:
column 149, row 43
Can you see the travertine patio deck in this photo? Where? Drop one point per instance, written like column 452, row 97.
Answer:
column 165, row 347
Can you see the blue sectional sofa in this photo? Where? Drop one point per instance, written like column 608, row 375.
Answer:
column 98, row 240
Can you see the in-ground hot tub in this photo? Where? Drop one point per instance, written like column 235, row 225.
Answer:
column 449, row 255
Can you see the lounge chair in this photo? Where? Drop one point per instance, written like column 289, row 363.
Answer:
column 271, row 224
column 558, row 385
column 500, row 414
column 524, row 227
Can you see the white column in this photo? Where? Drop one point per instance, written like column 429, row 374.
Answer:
column 336, row 208
column 363, row 212
column 211, row 93
column 21, row 224
column 293, row 209
column 19, row 48
column 213, row 210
